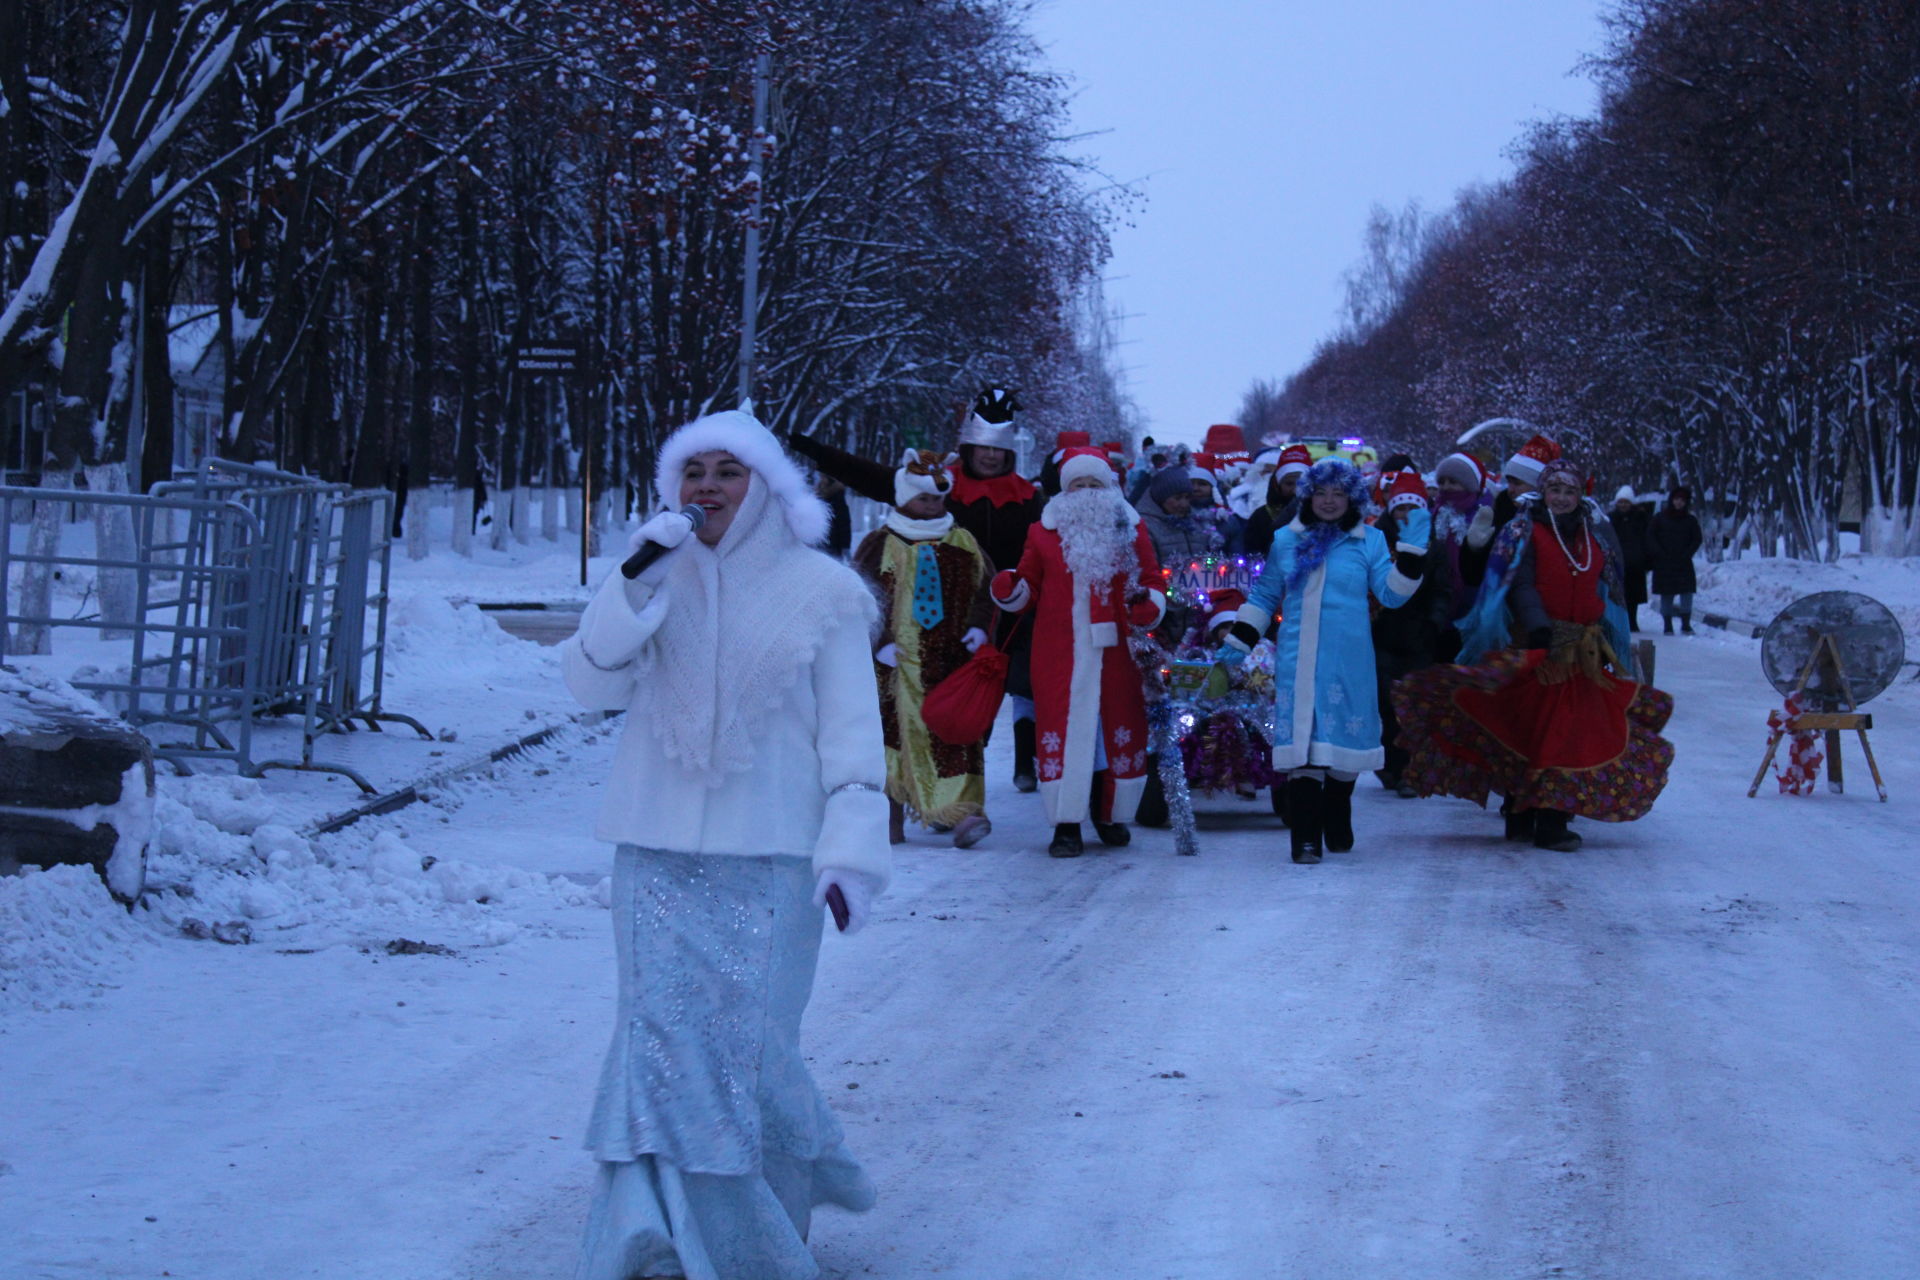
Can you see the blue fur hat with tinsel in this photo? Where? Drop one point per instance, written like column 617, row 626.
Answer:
column 1337, row 473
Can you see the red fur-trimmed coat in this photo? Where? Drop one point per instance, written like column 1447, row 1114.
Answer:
column 1083, row 674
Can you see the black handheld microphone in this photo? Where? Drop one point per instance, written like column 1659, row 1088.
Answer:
column 695, row 516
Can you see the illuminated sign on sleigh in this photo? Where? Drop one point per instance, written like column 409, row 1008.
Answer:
column 1190, row 583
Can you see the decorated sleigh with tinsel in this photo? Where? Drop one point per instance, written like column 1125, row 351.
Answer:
column 1208, row 746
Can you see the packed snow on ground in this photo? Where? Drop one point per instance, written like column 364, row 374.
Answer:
column 1686, row 1050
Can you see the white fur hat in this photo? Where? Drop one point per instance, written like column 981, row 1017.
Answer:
column 740, row 434
column 1085, row 462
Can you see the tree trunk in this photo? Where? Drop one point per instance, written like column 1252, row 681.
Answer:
column 420, row 419
column 36, row 577
column 113, row 537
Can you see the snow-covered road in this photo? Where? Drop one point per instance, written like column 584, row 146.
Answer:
column 1688, row 1050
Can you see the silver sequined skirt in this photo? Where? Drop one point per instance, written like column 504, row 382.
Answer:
column 716, row 961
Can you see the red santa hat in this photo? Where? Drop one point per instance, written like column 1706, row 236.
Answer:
column 1227, row 442
column 1223, row 604
column 1464, row 469
column 1532, row 459
column 1295, row 460
column 1084, row 461
column 1068, row 440
column 1408, row 489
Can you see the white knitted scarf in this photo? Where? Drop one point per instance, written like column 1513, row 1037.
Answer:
column 744, row 621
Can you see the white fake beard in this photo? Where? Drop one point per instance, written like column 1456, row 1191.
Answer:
column 1096, row 533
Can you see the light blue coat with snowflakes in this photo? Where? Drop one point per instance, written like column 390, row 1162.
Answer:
column 1326, row 703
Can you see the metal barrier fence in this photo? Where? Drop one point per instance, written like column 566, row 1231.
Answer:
column 260, row 608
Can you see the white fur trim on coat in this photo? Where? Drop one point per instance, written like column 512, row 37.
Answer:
column 1066, row 797
column 742, row 435
column 1017, row 600
column 992, row 435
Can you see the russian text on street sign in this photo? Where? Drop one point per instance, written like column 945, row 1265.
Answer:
column 548, row 357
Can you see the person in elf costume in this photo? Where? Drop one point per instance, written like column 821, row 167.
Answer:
column 1545, row 709
column 990, row 500
column 1089, row 576
column 932, row 582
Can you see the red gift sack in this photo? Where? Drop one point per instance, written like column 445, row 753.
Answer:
column 960, row 709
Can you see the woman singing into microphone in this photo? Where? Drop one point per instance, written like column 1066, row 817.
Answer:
column 748, row 782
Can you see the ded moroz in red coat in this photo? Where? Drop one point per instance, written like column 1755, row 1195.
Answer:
column 1083, row 674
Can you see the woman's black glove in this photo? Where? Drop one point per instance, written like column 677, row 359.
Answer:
column 1411, row 564
column 1540, row 638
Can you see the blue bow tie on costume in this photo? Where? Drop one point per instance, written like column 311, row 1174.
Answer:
column 928, row 609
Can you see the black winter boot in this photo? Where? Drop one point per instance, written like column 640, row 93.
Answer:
column 1519, row 822
column 1303, row 818
column 1336, row 815
column 1686, row 624
column 1066, row 841
column 1024, row 778
column 1550, row 831
column 1112, row 834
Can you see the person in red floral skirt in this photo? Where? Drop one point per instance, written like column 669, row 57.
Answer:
column 1090, row 576
column 1547, row 711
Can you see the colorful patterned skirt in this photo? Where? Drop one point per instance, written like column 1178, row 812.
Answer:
column 1545, row 738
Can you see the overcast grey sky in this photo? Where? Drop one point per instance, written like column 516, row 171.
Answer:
column 1262, row 132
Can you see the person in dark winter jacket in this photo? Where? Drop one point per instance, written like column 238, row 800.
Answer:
column 1673, row 536
column 1407, row 639
column 1630, row 520
column 1167, row 511
column 1282, row 504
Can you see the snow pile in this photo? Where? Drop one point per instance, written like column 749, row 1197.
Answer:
column 219, row 856
column 62, row 938
column 1755, row 590
column 426, row 624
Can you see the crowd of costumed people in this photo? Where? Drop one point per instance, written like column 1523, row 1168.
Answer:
column 1151, row 623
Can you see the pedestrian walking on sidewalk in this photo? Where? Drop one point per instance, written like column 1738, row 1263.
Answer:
column 1556, row 723
column 1630, row 521
column 1090, row 577
column 1673, row 538
column 1317, row 578
column 931, row 578
column 747, row 791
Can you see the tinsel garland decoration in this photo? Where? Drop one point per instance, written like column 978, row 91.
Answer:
column 1163, row 722
column 1225, row 753
column 1804, row 752
column 1219, row 744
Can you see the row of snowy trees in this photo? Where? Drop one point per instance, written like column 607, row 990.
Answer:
column 1715, row 280
column 379, row 202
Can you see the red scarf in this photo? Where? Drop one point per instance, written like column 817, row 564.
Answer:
column 1002, row 491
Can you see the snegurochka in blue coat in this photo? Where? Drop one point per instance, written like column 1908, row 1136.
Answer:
column 1319, row 573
